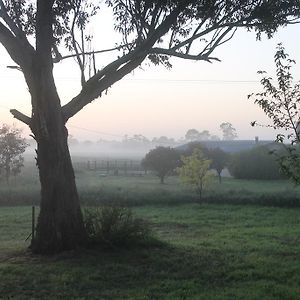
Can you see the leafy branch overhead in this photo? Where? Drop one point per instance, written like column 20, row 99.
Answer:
column 156, row 30
column 280, row 101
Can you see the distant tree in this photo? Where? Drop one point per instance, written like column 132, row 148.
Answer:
column 136, row 141
column 229, row 132
column 190, row 148
column 195, row 171
column 219, row 160
column 281, row 103
column 204, row 135
column 163, row 141
column 192, row 135
column 214, row 138
column 12, row 146
column 87, row 143
column 162, row 160
column 256, row 163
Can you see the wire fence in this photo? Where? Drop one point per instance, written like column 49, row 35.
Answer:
column 111, row 167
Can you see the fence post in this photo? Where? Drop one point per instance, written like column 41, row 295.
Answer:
column 107, row 167
column 125, row 167
column 33, row 224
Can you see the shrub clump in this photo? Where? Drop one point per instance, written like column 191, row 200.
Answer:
column 113, row 226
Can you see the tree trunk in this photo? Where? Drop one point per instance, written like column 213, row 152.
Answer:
column 220, row 177
column 7, row 171
column 162, row 179
column 60, row 224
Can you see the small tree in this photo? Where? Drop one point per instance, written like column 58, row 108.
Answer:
column 280, row 102
column 12, row 146
column 162, row 160
column 219, row 160
column 195, row 171
column 229, row 132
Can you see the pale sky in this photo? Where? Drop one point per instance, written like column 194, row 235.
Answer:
column 154, row 101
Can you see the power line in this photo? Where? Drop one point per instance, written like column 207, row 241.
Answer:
column 81, row 128
column 216, row 81
column 96, row 131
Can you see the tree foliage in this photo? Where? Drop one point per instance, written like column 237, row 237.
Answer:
column 229, row 132
column 217, row 156
column 280, row 101
column 257, row 163
column 219, row 160
column 162, row 160
column 12, row 147
column 195, row 171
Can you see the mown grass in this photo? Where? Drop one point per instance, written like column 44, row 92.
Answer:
column 207, row 251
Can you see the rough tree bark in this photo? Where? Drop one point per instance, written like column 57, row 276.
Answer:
column 60, row 224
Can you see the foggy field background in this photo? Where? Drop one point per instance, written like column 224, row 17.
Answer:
column 241, row 240
column 98, row 187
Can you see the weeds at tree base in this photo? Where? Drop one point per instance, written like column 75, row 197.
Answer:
column 115, row 226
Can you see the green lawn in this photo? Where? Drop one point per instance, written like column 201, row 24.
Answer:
column 94, row 188
column 208, row 252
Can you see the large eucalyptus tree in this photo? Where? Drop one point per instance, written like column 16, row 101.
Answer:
column 37, row 34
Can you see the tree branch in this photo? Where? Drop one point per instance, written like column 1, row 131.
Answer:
column 21, row 117
column 10, row 23
column 116, row 70
column 93, row 52
column 20, row 54
column 91, row 92
column 171, row 52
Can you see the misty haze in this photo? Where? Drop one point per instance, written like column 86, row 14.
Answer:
column 149, row 149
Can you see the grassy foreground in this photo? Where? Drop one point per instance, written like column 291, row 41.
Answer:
column 208, row 252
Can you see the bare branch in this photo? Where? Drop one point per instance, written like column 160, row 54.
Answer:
column 218, row 40
column 94, row 52
column 171, row 52
column 21, row 117
column 93, row 90
column 15, row 68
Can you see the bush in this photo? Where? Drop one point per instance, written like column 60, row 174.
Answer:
column 114, row 226
column 256, row 163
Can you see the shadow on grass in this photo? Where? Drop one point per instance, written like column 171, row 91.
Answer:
column 159, row 270
column 154, row 272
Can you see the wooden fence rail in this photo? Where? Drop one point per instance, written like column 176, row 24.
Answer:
column 114, row 167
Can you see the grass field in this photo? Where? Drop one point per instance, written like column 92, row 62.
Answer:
column 94, row 188
column 207, row 251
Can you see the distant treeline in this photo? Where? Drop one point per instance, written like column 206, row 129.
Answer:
column 258, row 162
